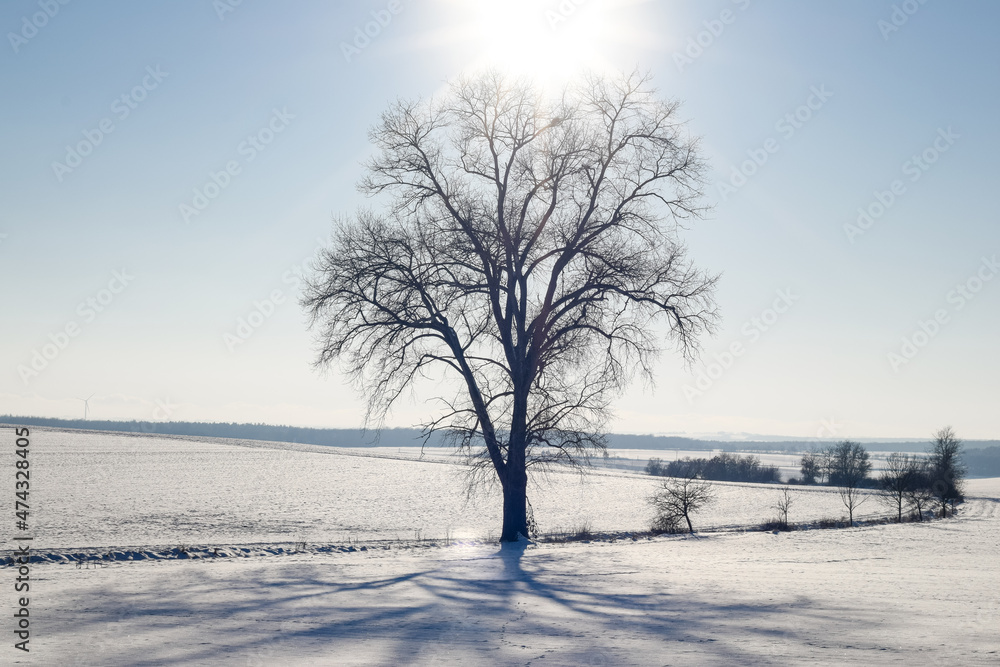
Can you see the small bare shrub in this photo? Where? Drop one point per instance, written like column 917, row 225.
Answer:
column 667, row 524
column 677, row 499
column 782, row 505
column 774, row 524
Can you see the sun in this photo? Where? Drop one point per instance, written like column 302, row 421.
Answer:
column 550, row 41
column 524, row 38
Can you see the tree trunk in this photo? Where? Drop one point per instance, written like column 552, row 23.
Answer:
column 515, row 507
column 515, row 478
column 690, row 527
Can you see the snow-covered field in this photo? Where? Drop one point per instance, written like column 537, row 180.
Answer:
column 889, row 594
column 114, row 490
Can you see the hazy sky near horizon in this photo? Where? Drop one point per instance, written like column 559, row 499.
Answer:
column 853, row 149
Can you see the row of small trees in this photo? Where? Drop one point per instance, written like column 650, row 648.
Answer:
column 908, row 482
column 916, row 482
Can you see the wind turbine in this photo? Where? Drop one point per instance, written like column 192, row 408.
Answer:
column 86, row 405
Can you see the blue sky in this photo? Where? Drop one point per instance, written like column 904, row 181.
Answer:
column 887, row 82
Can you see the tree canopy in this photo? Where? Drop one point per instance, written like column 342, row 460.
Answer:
column 528, row 249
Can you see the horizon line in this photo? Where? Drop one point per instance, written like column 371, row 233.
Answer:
column 9, row 420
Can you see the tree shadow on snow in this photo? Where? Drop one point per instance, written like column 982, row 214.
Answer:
column 516, row 603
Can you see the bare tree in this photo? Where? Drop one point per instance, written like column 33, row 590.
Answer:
column 782, row 505
column 655, row 467
column 897, row 480
column 678, row 498
column 811, row 466
column 852, row 497
column 947, row 474
column 846, row 461
column 848, row 467
column 527, row 262
column 920, row 494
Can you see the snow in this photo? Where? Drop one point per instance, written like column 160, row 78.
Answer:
column 114, row 490
column 913, row 594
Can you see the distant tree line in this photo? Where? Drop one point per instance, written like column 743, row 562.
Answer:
column 724, row 467
column 331, row 437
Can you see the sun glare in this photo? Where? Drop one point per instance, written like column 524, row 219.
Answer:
column 549, row 41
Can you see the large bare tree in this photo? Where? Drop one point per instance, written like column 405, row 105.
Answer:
column 528, row 249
